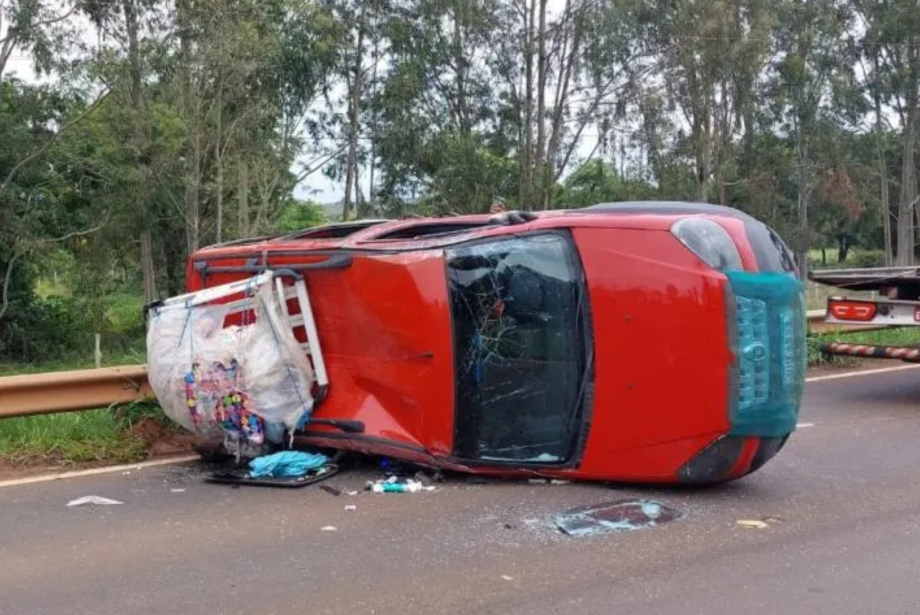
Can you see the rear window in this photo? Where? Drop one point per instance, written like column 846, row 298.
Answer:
column 333, row 231
column 520, row 348
column 436, row 229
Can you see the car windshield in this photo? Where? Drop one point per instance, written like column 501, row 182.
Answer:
column 521, row 347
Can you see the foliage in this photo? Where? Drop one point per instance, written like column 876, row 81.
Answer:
column 299, row 215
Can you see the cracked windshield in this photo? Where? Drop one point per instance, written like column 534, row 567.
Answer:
column 475, row 307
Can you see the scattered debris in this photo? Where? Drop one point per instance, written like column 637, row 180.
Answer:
column 505, row 577
column 331, row 490
column 95, row 500
column 390, row 466
column 286, row 464
column 559, row 481
column 128, row 473
column 537, row 481
column 774, row 520
column 329, row 528
column 177, row 490
column 804, row 425
column 349, row 507
column 350, row 492
column 395, row 485
column 755, row 524
column 241, row 477
column 614, row 517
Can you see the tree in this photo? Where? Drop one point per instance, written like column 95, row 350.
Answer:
column 892, row 42
column 811, row 53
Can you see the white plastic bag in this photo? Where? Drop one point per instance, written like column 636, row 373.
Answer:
column 245, row 382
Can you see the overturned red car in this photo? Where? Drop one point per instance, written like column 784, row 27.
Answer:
column 653, row 342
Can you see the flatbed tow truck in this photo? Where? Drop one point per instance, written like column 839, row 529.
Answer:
column 897, row 305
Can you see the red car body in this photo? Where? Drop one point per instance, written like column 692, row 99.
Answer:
column 586, row 344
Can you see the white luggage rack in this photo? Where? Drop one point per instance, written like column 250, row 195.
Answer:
column 297, row 291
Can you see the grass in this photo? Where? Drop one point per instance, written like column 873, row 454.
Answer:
column 102, row 435
column 128, row 357
column 69, row 438
column 902, row 336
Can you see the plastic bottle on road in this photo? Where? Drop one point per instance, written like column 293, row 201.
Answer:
column 391, row 486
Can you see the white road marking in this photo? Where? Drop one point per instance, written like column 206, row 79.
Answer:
column 865, row 372
column 107, row 470
column 804, row 425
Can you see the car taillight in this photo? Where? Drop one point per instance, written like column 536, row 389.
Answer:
column 752, row 352
column 859, row 311
column 714, row 463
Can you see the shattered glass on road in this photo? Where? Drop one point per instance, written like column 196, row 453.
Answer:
column 627, row 515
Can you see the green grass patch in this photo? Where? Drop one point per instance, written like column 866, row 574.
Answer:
column 901, row 336
column 128, row 357
column 103, row 435
column 68, row 438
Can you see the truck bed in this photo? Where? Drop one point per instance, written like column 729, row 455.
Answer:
column 905, row 279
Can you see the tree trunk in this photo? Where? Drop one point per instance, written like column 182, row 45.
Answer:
column 526, row 154
column 884, row 205
column 147, row 270
column 371, row 196
column 244, row 198
column 460, row 62
column 354, row 117
column 219, row 171
column 843, row 248
column 571, row 47
column 193, row 147
column 802, row 202
column 907, row 202
column 541, row 161
column 192, row 183
column 132, row 27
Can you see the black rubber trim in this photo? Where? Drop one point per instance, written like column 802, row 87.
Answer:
column 328, row 435
column 337, row 261
column 344, row 425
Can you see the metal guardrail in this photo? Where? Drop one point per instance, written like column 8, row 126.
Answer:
column 84, row 389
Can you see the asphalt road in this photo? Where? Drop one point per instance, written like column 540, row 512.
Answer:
column 845, row 492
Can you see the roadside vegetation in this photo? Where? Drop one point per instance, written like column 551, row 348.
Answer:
column 900, row 336
column 60, row 341
column 120, row 434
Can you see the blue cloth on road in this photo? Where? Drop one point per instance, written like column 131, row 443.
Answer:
column 286, row 464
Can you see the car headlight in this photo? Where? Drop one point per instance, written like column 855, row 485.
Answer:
column 710, row 242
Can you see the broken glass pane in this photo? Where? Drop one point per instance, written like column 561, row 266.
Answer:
column 520, row 348
column 619, row 516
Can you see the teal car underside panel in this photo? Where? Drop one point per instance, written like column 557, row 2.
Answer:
column 767, row 315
